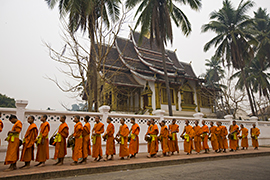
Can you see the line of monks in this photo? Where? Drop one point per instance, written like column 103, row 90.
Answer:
column 194, row 138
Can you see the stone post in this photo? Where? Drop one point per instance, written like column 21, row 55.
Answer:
column 254, row 118
column 159, row 113
column 20, row 113
column 198, row 116
column 104, row 110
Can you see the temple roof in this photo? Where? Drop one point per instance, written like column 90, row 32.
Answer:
column 144, row 61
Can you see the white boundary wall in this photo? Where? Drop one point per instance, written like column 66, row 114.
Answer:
column 54, row 116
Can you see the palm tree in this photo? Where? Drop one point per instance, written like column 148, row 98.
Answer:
column 214, row 72
column 84, row 15
column 233, row 40
column 261, row 29
column 155, row 18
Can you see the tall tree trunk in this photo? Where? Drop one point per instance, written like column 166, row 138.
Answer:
column 247, row 89
column 166, row 80
column 254, row 102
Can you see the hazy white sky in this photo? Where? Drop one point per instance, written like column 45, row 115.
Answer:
column 24, row 61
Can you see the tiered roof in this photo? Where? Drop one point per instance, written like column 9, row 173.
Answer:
column 143, row 61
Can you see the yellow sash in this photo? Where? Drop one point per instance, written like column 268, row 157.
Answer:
column 186, row 136
column 133, row 136
column 12, row 136
column 39, row 139
column 255, row 137
column 58, row 138
column 122, row 140
column 94, row 138
column 173, row 136
column 234, row 136
column 153, row 137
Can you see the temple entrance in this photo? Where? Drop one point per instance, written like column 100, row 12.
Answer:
column 145, row 101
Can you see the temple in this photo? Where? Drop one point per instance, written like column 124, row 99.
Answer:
column 135, row 80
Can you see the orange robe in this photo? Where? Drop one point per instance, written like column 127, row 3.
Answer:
column 12, row 154
column 244, row 140
column 124, row 132
column 255, row 132
column 197, row 138
column 188, row 138
column 234, row 142
column 214, row 140
column 223, row 134
column 28, row 143
column 1, row 125
column 43, row 149
column 154, row 140
column 86, row 147
column 97, row 150
column 148, row 143
column 110, row 145
column 219, row 139
column 61, row 145
column 173, row 142
column 134, row 140
column 164, row 133
column 77, row 150
column 205, row 131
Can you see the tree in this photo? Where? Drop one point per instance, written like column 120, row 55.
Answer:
column 155, row 19
column 87, row 16
column 233, row 40
column 6, row 101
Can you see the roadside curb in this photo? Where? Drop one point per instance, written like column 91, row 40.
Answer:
column 131, row 166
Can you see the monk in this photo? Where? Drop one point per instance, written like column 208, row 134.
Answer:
column 164, row 133
column 154, row 140
column 123, row 134
column 197, row 137
column 1, row 126
column 109, row 138
column 28, row 143
column 96, row 138
column 187, row 135
column 43, row 142
column 12, row 155
column 205, row 132
column 244, row 137
column 77, row 135
column 173, row 141
column 223, row 134
column 60, row 141
column 147, row 134
column 234, row 131
column 213, row 137
column 86, row 148
column 255, row 132
column 134, row 138
column 218, row 134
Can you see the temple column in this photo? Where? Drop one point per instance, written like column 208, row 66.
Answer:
column 157, row 87
column 176, row 99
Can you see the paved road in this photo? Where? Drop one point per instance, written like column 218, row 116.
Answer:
column 233, row 169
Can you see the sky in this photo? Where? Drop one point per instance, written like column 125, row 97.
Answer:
column 25, row 61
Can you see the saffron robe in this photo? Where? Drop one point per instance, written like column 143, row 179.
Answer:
column 255, row 132
column 110, row 144
column 189, row 134
column 223, row 134
column 173, row 142
column 124, row 132
column 43, row 149
column 1, row 126
column 28, row 143
column 154, row 140
column 60, row 144
column 244, row 135
column 12, row 154
column 234, row 142
column 214, row 140
column 77, row 150
column 86, row 147
column 219, row 139
column 197, row 138
column 148, row 143
column 134, row 140
column 164, row 133
column 205, row 131
column 97, row 150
